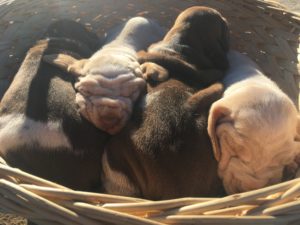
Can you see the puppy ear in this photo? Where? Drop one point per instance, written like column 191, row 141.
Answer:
column 66, row 63
column 225, row 36
column 154, row 72
column 297, row 137
column 218, row 51
column 203, row 99
column 217, row 113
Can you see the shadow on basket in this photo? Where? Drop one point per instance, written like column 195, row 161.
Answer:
column 179, row 116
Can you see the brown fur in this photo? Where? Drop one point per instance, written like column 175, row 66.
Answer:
column 199, row 40
column 165, row 152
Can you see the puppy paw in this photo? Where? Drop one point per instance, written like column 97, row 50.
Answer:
column 152, row 71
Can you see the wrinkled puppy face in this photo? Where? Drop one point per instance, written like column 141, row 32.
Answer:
column 107, row 87
column 165, row 152
column 253, row 140
column 205, row 32
column 109, row 81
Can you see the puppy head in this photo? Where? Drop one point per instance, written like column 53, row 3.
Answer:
column 104, row 101
column 254, row 139
column 109, row 115
column 206, row 33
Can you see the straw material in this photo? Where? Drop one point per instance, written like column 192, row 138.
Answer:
column 264, row 30
column 45, row 202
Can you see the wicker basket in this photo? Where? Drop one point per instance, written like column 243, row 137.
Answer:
column 264, row 30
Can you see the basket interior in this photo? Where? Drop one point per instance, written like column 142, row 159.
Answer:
column 267, row 33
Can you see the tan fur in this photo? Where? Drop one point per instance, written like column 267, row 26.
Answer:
column 253, row 128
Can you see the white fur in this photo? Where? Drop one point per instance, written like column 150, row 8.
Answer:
column 17, row 130
column 114, row 72
column 256, row 132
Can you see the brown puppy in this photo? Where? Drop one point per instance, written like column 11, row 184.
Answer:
column 199, row 41
column 164, row 151
column 41, row 130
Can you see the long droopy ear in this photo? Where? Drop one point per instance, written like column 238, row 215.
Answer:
column 218, row 113
column 201, row 102
column 203, row 99
column 297, row 137
column 294, row 172
column 66, row 63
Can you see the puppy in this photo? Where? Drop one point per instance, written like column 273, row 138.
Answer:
column 164, row 151
column 198, row 41
column 253, row 128
column 41, row 131
column 109, row 81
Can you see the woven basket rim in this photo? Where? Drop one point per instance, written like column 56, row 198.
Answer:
column 274, row 3
column 277, row 204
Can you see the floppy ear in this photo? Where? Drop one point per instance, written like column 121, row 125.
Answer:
column 154, row 72
column 218, row 51
column 292, row 170
column 203, row 99
column 217, row 113
column 297, row 137
column 225, row 36
column 66, row 63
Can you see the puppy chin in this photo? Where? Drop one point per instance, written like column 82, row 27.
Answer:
column 242, row 181
column 109, row 116
column 111, row 125
column 241, row 176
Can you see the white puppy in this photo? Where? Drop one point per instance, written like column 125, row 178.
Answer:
column 253, row 128
column 110, row 80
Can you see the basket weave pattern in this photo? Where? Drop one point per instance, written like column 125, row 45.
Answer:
column 264, row 30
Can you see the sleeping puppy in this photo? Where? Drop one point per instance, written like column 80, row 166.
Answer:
column 253, row 128
column 109, row 81
column 198, row 40
column 41, row 131
column 164, row 151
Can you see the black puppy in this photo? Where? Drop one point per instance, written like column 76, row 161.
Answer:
column 41, row 131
